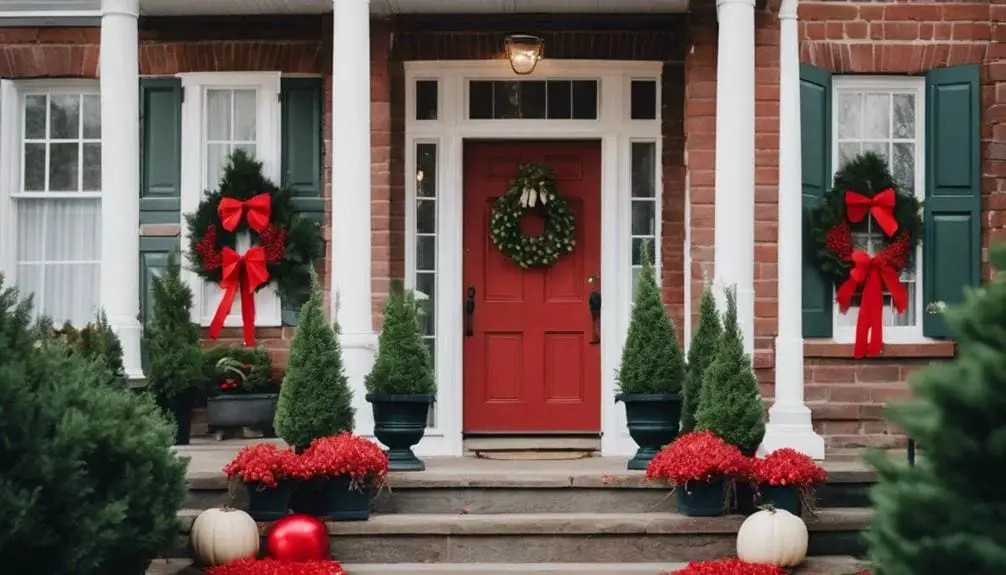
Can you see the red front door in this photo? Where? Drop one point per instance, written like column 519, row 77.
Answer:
column 530, row 364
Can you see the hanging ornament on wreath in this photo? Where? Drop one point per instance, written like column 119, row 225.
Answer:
column 283, row 245
column 866, row 199
column 533, row 188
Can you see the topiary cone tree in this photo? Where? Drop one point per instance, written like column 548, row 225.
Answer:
column 947, row 513
column 88, row 482
column 315, row 399
column 700, row 355
column 174, row 359
column 730, row 403
column 401, row 387
column 652, row 370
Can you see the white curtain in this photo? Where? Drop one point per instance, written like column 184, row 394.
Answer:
column 59, row 255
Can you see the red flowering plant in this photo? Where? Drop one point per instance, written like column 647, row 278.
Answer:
column 274, row 567
column 346, row 454
column 266, row 465
column 788, row 467
column 698, row 457
column 727, row 567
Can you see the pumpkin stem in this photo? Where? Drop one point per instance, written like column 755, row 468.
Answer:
column 767, row 507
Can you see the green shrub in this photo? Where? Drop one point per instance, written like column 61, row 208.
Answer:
column 947, row 514
column 403, row 365
column 700, row 355
column 175, row 360
column 255, row 365
column 730, row 404
column 652, row 360
column 315, row 399
column 96, row 341
column 88, row 483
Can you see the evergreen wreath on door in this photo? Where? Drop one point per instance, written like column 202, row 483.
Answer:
column 865, row 197
column 284, row 245
column 533, row 188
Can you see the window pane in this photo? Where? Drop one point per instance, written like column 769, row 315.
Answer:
column 63, row 167
column 426, row 170
column 425, row 295
column 480, row 100
column 426, row 216
column 218, row 115
column 637, row 250
column 34, row 167
column 847, row 152
column 560, row 100
column 58, row 249
column 643, row 160
column 92, row 167
column 903, row 165
column 904, row 116
column 426, row 256
column 245, row 114
column 850, row 114
column 92, row 116
column 877, row 116
column 506, row 100
column 643, row 218
column 585, row 100
column 426, row 100
column 643, row 100
column 64, row 121
column 532, row 100
column 34, row 117
column 216, row 158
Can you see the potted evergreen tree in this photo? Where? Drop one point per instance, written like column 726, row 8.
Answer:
column 175, row 361
column 652, row 371
column 700, row 355
column 401, row 387
column 731, row 405
column 315, row 399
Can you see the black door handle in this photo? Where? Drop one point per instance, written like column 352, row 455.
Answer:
column 470, row 313
column 594, row 303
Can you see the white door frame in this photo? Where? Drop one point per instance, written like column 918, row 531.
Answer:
column 616, row 132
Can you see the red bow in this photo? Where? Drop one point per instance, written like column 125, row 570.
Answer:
column 874, row 275
column 246, row 272
column 880, row 206
column 259, row 209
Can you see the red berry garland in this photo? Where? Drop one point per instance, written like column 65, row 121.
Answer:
column 728, row 567
column 284, row 245
column 274, row 567
column 866, row 197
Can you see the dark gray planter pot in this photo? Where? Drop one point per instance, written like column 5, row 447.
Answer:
column 230, row 410
column 653, row 421
column 399, row 423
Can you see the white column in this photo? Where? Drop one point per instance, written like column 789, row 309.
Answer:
column 789, row 419
column 351, row 255
column 735, row 158
column 120, row 176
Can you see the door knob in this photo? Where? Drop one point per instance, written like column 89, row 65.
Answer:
column 594, row 305
column 470, row 312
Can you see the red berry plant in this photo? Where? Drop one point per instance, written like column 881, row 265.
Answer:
column 788, row 467
column 697, row 457
column 346, row 454
column 274, row 567
column 727, row 567
column 266, row 465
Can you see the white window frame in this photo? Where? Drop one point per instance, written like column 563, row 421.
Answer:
column 917, row 86
column 12, row 95
column 268, row 307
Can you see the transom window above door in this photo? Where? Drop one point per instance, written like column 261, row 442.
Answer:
column 533, row 99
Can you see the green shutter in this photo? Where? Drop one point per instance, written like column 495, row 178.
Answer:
column 952, row 241
column 815, row 126
column 160, row 150
column 302, row 153
column 153, row 259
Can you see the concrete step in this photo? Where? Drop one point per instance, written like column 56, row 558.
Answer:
column 558, row 537
column 836, row 565
column 534, row 487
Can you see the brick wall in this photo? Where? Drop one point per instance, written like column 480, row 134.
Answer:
column 845, row 395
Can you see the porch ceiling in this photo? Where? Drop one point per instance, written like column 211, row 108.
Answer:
column 57, row 8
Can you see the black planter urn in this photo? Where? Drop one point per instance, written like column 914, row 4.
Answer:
column 653, row 421
column 231, row 410
column 179, row 408
column 399, row 423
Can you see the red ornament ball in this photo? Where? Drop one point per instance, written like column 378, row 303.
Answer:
column 298, row 538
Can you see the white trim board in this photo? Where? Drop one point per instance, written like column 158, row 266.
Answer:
column 613, row 129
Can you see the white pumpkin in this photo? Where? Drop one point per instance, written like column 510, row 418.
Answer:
column 773, row 536
column 221, row 535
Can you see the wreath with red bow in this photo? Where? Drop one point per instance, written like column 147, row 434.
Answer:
column 284, row 245
column 865, row 198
